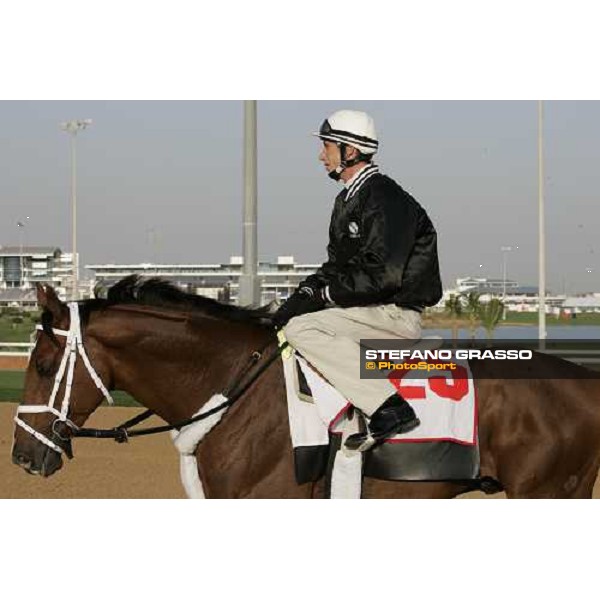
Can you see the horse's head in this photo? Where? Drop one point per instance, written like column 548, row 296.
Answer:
column 62, row 388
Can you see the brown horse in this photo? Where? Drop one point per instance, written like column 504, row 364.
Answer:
column 172, row 351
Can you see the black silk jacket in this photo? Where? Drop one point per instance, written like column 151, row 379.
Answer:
column 382, row 249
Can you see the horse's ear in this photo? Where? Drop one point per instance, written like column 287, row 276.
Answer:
column 48, row 300
column 41, row 295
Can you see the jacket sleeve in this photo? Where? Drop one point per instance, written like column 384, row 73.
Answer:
column 389, row 228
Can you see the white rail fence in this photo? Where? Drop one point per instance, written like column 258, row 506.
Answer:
column 15, row 348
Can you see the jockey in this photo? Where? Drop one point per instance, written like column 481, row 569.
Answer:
column 382, row 270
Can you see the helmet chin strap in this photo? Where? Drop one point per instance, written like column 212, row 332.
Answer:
column 336, row 174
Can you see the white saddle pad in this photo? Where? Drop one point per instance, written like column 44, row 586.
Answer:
column 445, row 402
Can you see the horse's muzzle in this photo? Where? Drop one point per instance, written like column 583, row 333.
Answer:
column 44, row 462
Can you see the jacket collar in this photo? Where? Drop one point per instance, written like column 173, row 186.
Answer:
column 359, row 178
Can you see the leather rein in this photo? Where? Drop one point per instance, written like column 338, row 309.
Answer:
column 233, row 392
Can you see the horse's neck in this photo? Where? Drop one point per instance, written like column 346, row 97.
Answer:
column 173, row 368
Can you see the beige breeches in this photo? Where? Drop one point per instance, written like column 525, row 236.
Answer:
column 329, row 339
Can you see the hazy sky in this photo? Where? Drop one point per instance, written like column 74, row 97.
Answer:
column 162, row 181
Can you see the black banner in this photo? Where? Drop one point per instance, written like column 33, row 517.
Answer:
column 490, row 359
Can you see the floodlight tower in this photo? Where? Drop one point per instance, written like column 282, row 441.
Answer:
column 21, row 227
column 541, row 233
column 73, row 128
column 505, row 250
column 249, row 290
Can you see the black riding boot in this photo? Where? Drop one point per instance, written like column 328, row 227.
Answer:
column 394, row 416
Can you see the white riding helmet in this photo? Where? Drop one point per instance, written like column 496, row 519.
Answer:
column 351, row 127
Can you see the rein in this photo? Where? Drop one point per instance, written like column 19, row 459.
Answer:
column 121, row 433
column 234, row 392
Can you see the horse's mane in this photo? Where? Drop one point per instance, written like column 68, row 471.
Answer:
column 159, row 293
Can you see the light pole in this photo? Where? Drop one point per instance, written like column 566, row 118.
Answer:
column 21, row 226
column 505, row 250
column 249, row 291
column 73, row 128
column 541, row 233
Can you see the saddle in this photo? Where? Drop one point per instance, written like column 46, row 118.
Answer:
column 444, row 448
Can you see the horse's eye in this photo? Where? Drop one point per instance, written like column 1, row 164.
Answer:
column 45, row 367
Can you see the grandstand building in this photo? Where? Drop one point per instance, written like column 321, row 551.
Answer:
column 219, row 281
column 21, row 267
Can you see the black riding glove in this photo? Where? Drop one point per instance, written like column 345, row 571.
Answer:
column 305, row 300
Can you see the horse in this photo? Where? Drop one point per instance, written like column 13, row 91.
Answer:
column 172, row 351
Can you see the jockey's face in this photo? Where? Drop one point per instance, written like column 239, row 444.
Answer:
column 330, row 155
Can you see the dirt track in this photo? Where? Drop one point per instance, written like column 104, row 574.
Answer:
column 13, row 363
column 144, row 468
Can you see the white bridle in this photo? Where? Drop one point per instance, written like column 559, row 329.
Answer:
column 73, row 347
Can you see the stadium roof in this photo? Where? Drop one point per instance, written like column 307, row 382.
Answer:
column 27, row 250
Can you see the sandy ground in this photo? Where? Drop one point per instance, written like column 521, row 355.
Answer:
column 13, row 363
column 146, row 467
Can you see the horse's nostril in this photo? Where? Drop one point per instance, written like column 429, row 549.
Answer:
column 21, row 459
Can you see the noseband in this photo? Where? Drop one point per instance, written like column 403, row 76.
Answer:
column 73, row 348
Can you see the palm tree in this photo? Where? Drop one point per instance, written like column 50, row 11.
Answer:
column 472, row 306
column 454, row 309
column 490, row 315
